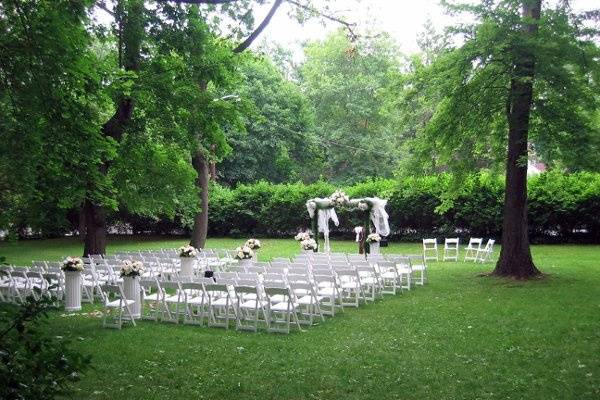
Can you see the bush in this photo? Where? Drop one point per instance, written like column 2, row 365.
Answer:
column 562, row 207
column 34, row 364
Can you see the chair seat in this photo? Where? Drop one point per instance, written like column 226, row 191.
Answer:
column 172, row 299
column 369, row 280
column 152, row 297
column 309, row 299
column 404, row 270
column 222, row 302
column 196, row 300
column 119, row 304
column 327, row 292
column 278, row 298
column 418, row 267
column 389, row 275
column 252, row 304
column 283, row 306
column 350, row 285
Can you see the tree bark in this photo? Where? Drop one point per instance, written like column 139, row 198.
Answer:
column 201, row 219
column 515, row 256
column 131, row 21
column 94, row 218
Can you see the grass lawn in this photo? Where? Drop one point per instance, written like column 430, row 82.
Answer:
column 460, row 337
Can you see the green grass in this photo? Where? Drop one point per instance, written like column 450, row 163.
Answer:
column 460, row 337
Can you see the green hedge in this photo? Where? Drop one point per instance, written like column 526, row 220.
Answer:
column 561, row 207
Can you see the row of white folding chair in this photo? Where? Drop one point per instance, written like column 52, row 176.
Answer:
column 476, row 253
column 451, row 249
column 473, row 252
column 225, row 300
column 16, row 284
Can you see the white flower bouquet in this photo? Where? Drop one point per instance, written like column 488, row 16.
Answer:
column 254, row 244
column 187, row 251
column 72, row 264
column 301, row 236
column 244, row 253
column 339, row 198
column 374, row 238
column 309, row 244
column 132, row 268
column 363, row 206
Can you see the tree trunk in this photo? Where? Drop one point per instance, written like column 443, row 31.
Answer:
column 94, row 218
column 130, row 16
column 515, row 256
column 201, row 219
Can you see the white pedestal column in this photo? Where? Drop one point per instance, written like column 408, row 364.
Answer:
column 187, row 266
column 72, row 290
column 374, row 248
column 245, row 263
column 131, row 288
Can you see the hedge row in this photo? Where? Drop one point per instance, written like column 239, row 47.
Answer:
column 561, row 207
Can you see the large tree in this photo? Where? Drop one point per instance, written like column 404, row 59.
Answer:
column 345, row 80
column 523, row 78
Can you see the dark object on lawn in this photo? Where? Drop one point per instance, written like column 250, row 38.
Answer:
column 383, row 243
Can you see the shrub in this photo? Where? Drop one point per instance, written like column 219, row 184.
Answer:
column 562, row 207
column 34, row 364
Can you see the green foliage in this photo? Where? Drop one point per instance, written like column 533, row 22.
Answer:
column 50, row 122
column 559, row 204
column 279, row 143
column 462, row 93
column 35, row 364
column 345, row 82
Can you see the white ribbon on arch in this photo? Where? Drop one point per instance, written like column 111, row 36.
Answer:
column 379, row 216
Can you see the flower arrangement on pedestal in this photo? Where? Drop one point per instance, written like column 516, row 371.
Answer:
column 187, row 251
column 374, row 238
column 73, row 264
column 254, row 244
column 244, row 253
column 132, row 268
column 309, row 244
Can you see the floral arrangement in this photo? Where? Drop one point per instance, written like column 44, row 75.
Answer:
column 302, row 236
column 339, row 198
column 244, row 253
column 73, row 264
column 374, row 238
column 132, row 268
column 309, row 244
column 363, row 206
column 187, row 251
column 253, row 244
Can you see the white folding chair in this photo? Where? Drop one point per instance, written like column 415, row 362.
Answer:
column 309, row 303
column 120, row 305
column 417, row 264
column 327, row 288
column 430, row 249
column 485, row 254
column 451, row 246
column 390, row 278
column 351, row 287
column 281, row 314
column 251, row 308
column 221, row 306
column 472, row 249
column 195, row 301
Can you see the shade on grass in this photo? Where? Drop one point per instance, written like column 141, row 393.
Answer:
column 461, row 336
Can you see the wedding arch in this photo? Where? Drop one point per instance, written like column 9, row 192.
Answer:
column 321, row 210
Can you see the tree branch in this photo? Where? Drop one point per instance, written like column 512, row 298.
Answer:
column 348, row 25
column 248, row 41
